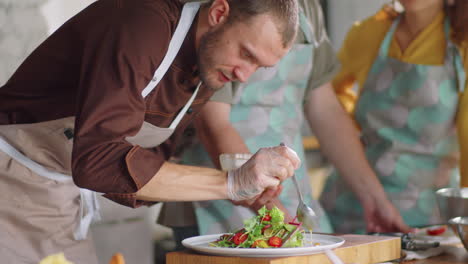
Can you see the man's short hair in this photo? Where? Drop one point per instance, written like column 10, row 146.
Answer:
column 284, row 11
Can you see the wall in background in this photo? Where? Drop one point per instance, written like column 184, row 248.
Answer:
column 22, row 28
column 57, row 12
column 343, row 13
column 24, row 24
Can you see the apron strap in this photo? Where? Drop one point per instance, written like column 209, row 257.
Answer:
column 384, row 48
column 30, row 164
column 307, row 29
column 181, row 114
column 89, row 213
column 188, row 15
column 459, row 71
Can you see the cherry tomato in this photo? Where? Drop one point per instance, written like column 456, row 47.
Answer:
column 239, row 238
column 435, row 230
column 266, row 218
column 275, row 241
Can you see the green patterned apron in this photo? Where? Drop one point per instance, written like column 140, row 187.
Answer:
column 407, row 116
column 266, row 111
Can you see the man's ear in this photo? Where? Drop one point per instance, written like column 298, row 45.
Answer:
column 218, row 12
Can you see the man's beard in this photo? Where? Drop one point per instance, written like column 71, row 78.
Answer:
column 209, row 43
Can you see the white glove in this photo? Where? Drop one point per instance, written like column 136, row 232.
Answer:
column 267, row 168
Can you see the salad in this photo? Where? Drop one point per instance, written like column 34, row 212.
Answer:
column 266, row 230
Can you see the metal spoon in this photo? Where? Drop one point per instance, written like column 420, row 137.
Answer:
column 305, row 214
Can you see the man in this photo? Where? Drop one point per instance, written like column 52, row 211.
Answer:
column 117, row 85
column 268, row 110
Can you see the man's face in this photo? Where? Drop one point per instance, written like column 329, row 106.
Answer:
column 233, row 51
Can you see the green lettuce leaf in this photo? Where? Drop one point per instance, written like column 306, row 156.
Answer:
column 277, row 217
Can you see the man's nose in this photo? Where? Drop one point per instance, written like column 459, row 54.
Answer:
column 243, row 72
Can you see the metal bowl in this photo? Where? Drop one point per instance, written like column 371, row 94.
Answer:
column 453, row 202
column 460, row 227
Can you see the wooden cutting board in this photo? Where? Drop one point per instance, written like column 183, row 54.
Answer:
column 357, row 249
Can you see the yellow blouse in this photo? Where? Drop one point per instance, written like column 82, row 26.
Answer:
column 361, row 47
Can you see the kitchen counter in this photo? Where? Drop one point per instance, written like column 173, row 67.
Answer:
column 360, row 249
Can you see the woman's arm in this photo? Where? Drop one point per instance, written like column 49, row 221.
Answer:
column 339, row 141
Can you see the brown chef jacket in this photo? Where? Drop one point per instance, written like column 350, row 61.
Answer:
column 95, row 67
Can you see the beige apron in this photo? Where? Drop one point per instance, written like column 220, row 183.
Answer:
column 42, row 211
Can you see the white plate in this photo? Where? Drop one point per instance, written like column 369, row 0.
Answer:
column 200, row 244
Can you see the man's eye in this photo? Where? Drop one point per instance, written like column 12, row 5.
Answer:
column 247, row 55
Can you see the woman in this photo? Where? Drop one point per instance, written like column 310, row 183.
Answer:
column 410, row 68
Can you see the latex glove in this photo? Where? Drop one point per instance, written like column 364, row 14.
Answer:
column 382, row 216
column 267, row 168
column 269, row 195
